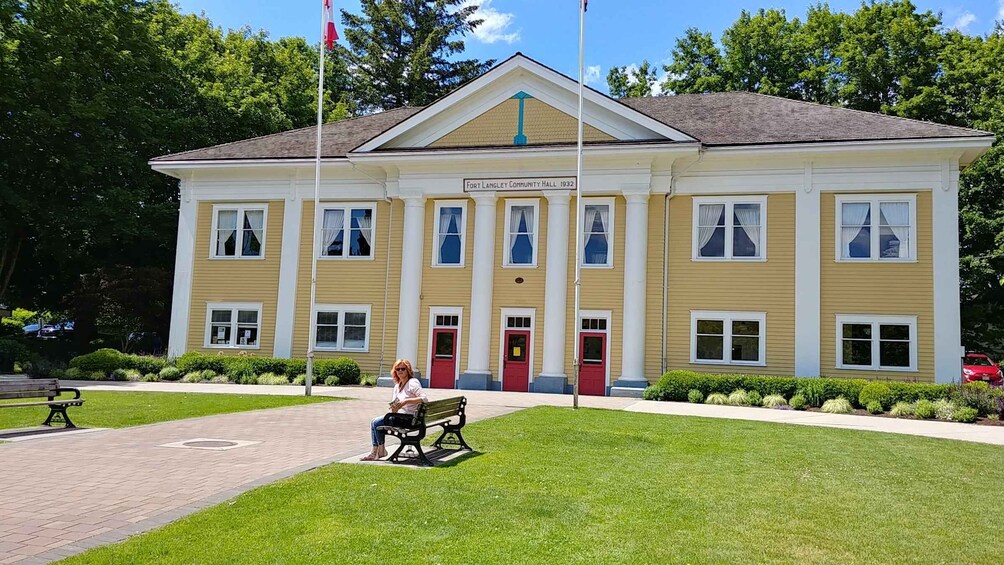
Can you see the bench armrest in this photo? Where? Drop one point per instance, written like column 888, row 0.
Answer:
column 76, row 391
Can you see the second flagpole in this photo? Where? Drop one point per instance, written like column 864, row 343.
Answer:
column 576, row 364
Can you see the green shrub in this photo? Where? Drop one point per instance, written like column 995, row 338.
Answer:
column 132, row 375
column 347, row 370
column 966, row 415
column 151, row 378
column 192, row 377
column 695, row 396
column 195, row 361
column 170, row 374
column 754, row 398
column 798, row 402
column 295, row 367
column 104, row 360
column 912, row 392
column 41, row 368
column 331, row 380
column 95, row 376
column 73, row 373
column 220, row 380
column 300, row 379
column 994, row 417
column 976, row 395
column 838, row 405
column 209, row 375
column 773, row 401
column 717, row 398
column 818, row 391
column 272, row 379
column 874, row 407
column 368, row 380
column 118, row 375
column 902, row 409
column 739, row 398
column 247, row 380
column 875, row 392
column 944, row 409
column 147, row 364
column 14, row 350
column 924, row 409
column 813, row 391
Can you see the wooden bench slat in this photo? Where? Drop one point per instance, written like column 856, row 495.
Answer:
column 47, row 403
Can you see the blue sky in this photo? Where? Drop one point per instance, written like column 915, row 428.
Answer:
column 618, row 32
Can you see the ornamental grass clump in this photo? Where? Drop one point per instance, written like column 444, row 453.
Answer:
column 695, row 396
column 924, row 409
column 739, row 398
column 220, row 380
column 902, row 410
column 272, row 379
column 170, row 374
column 944, row 409
column 717, row 398
column 773, row 401
column 368, row 380
column 798, row 402
column 209, row 375
column 192, row 377
column 839, row 405
column 151, row 378
column 133, row 375
column 874, row 407
column 300, row 379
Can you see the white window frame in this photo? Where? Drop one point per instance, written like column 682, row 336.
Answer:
column 874, row 200
column 347, row 207
column 440, row 204
column 600, row 201
column 509, row 203
column 233, row 307
column 240, row 209
column 342, row 309
column 730, row 203
column 875, row 321
column 727, row 318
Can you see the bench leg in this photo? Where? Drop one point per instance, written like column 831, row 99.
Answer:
column 452, row 436
column 58, row 414
column 395, row 458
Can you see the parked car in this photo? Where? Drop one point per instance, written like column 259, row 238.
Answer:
column 980, row 367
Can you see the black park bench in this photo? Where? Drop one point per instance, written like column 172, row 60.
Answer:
column 439, row 413
column 40, row 388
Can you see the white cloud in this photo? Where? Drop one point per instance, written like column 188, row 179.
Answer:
column 967, row 18
column 592, row 74
column 494, row 26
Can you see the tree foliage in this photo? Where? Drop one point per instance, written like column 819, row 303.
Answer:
column 631, row 82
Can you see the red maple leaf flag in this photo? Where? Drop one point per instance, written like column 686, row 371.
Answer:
column 330, row 34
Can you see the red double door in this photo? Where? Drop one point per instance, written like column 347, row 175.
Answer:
column 443, row 372
column 593, row 371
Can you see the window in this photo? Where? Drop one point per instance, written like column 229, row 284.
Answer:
column 877, row 342
column 730, row 229
column 727, row 338
column 876, row 228
column 450, row 233
column 521, row 230
column 239, row 231
column 347, row 231
column 597, row 232
column 233, row 325
column 594, row 324
column 342, row 327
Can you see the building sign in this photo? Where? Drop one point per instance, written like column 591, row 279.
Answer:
column 519, row 184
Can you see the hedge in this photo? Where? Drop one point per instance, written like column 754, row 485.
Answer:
column 109, row 360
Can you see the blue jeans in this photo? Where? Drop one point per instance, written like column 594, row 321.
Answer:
column 378, row 437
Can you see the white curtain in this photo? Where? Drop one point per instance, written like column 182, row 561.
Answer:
column 749, row 219
column 853, row 218
column 365, row 223
column 591, row 213
column 256, row 221
column 708, row 215
column 334, row 221
column 896, row 217
column 446, row 216
column 226, row 225
column 520, row 216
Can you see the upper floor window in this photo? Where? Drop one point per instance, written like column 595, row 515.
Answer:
column 876, row 228
column 450, row 233
column 521, row 232
column 347, row 230
column 239, row 231
column 233, row 325
column 597, row 232
column 887, row 343
column 730, row 228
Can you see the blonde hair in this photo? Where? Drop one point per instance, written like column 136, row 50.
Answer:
column 409, row 372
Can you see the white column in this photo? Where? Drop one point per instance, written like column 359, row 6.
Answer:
column 289, row 260
column 947, row 317
column 478, row 373
column 632, row 379
column 556, row 287
column 411, row 277
column 181, row 303
column 807, row 280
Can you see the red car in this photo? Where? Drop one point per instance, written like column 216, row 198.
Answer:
column 979, row 367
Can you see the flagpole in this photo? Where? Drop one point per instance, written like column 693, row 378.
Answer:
column 578, row 211
column 317, row 202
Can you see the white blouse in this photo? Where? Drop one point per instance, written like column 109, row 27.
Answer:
column 412, row 389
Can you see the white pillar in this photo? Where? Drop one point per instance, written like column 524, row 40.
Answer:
column 947, row 317
column 807, row 291
column 478, row 373
column 632, row 380
column 289, row 260
column 552, row 377
column 181, row 303
column 411, row 277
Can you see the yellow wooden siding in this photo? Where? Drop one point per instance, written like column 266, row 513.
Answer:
column 654, row 288
column 355, row 281
column 542, row 124
column 235, row 280
column 445, row 286
column 877, row 288
column 767, row 286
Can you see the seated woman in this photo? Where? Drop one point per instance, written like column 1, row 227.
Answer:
column 408, row 394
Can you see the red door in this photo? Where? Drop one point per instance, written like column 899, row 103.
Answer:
column 593, row 371
column 444, row 358
column 516, row 361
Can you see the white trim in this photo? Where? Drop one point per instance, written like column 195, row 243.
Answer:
column 729, row 202
column 348, row 207
column 289, row 258
column 241, row 208
column 556, row 284
column 727, row 317
column 506, row 312
column 482, row 279
column 875, row 321
column 929, row 143
column 440, row 204
column 807, row 278
column 599, row 314
column 945, row 259
column 410, row 301
column 233, row 307
column 509, row 203
column 874, row 201
column 445, row 311
column 181, row 303
column 601, row 201
column 342, row 309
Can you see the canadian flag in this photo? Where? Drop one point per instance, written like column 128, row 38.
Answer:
column 330, row 34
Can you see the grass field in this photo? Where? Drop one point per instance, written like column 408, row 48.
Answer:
column 111, row 409
column 556, row 486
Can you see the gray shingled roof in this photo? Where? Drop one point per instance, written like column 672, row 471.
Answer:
column 733, row 118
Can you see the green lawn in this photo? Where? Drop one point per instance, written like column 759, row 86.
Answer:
column 614, row 487
column 112, row 409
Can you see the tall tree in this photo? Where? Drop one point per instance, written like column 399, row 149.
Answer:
column 763, row 53
column 400, row 52
column 696, row 66
column 632, row 82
